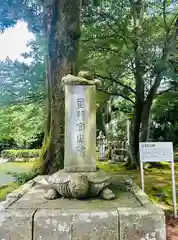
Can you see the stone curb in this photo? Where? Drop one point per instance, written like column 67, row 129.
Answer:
column 16, row 194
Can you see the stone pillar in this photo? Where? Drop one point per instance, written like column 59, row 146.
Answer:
column 128, row 132
column 80, row 124
column 101, row 145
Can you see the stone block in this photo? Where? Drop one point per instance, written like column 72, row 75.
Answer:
column 96, row 225
column 141, row 224
column 131, row 216
column 52, row 224
column 16, row 224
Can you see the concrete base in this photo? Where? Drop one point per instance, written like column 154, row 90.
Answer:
column 131, row 216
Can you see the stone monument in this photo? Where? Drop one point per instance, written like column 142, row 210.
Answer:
column 26, row 214
column 101, row 144
column 80, row 178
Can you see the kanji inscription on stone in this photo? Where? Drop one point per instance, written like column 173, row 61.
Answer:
column 80, row 128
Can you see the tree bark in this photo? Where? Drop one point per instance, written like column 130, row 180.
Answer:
column 134, row 135
column 100, row 123
column 145, row 122
column 63, row 33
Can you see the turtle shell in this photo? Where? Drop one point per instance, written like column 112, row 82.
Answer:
column 59, row 181
column 97, row 182
column 98, row 177
column 59, row 177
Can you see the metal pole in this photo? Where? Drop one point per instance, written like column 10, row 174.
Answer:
column 142, row 175
column 174, row 189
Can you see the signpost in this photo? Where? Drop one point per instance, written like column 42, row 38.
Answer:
column 158, row 152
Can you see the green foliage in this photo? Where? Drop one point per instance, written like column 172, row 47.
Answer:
column 21, row 83
column 111, row 42
column 25, row 154
column 120, row 113
column 29, row 10
column 7, row 143
column 24, row 177
column 23, row 123
column 22, row 98
column 165, row 118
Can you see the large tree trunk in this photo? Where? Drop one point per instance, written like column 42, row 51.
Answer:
column 63, row 32
column 145, row 122
column 134, row 135
column 139, row 103
column 139, row 129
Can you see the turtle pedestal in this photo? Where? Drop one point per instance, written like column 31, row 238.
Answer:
column 130, row 216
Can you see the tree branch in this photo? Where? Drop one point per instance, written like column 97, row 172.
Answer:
column 100, row 37
column 116, row 81
column 116, row 94
column 121, row 36
column 158, row 69
column 165, row 91
column 164, row 15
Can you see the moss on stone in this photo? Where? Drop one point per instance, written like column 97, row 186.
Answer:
column 85, row 74
column 76, row 80
column 38, row 166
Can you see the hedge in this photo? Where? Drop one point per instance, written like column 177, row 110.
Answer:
column 25, row 154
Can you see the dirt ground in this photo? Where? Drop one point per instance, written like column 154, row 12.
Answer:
column 172, row 227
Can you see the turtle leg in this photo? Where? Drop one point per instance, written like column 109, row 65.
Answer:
column 107, row 194
column 51, row 194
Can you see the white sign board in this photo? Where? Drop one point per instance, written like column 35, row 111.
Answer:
column 158, row 152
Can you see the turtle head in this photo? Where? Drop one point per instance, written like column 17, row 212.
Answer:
column 79, row 186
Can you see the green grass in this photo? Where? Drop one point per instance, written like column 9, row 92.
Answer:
column 16, row 166
column 13, row 167
column 4, row 190
column 157, row 181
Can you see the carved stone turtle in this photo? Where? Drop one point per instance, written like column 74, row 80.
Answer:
column 79, row 185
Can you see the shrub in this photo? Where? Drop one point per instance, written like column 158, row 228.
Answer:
column 24, row 154
column 23, row 177
column 6, row 143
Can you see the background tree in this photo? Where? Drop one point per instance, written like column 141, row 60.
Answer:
column 22, row 123
column 22, row 100
column 129, row 45
column 164, row 125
